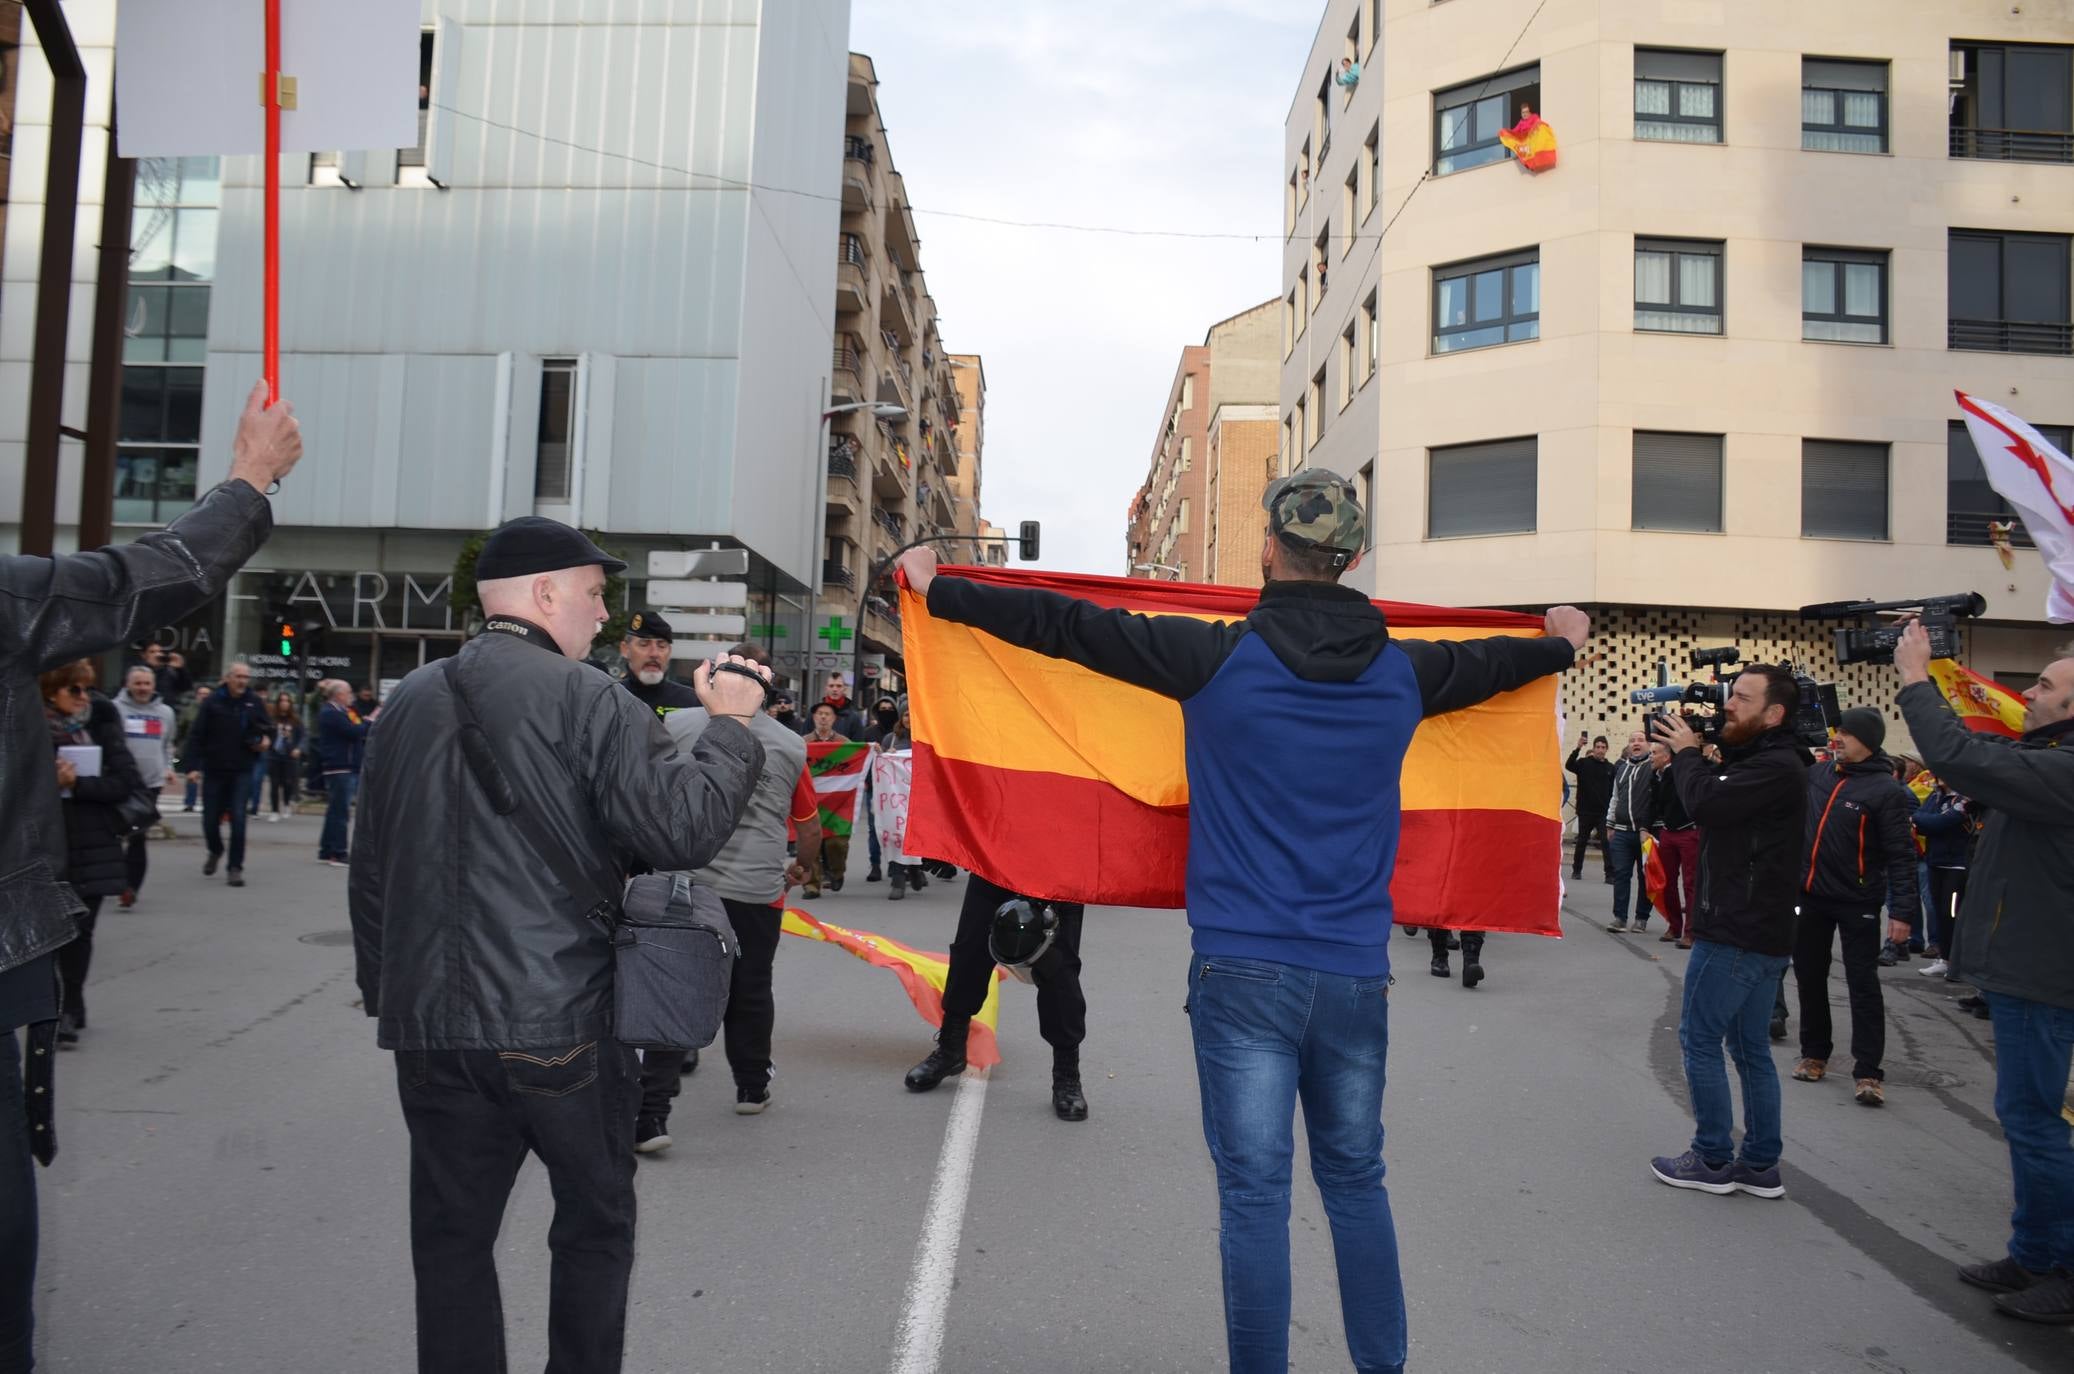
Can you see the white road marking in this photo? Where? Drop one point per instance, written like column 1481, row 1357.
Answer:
column 918, row 1341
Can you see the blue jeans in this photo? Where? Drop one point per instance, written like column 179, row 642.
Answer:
column 226, row 793
column 1624, row 853
column 1729, row 994
column 1265, row 1035
column 259, row 772
column 338, row 809
column 2033, row 1042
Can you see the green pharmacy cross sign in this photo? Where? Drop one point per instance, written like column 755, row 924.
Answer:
column 835, row 633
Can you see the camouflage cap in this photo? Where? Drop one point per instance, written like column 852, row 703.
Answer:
column 1316, row 508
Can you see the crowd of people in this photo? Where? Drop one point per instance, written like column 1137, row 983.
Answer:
column 491, row 950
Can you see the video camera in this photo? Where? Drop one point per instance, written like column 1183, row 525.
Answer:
column 1940, row 615
column 1810, row 720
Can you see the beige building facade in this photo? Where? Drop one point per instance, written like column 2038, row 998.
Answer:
column 1170, row 532
column 1701, row 371
column 890, row 480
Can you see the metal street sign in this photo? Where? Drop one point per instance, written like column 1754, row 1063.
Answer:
column 692, row 649
column 698, row 563
column 703, row 623
column 664, row 593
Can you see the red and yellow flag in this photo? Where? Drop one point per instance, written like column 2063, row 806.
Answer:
column 921, row 973
column 1532, row 141
column 837, row 767
column 1051, row 780
column 1980, row 703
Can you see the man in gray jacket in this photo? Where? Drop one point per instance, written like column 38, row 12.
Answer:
column 494, row 983
column 54, row 610
column 2015, row 943
column 147, row 727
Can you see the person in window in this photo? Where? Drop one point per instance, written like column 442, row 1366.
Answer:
column 1531, row 141
column 1349, row 74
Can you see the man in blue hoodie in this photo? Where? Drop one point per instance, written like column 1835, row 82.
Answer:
column 1288, row 877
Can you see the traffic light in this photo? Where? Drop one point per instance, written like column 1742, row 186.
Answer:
column 287, row 637
column 1028, row 542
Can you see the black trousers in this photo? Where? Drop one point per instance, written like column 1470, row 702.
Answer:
column 73, row 962
column 1589, row 828
column 473, row 1115
column 752, row 1010
column 1471, row 940
column 135, row 860
column 17, row 1214
column 1861, row 934
column 1061, row 1006
column 1947, row 887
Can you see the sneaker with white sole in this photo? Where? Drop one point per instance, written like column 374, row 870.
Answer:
column 1756, row 1182
column 650, row 1136
column 1935, row 968
column 1690, row 1171
column 751, row 1101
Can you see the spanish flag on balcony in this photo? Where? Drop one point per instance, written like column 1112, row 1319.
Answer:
column 1980, row 703
column 1053, row 781
column 1532, row 141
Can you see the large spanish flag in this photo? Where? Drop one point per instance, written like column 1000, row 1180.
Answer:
column 1980, row 703
column 1053, row 781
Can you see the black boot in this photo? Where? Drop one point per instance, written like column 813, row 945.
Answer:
column 898, row 888
column 1066, row 1097
column 946, row 1059
column 874, row 876
column 1437, row 939
column 1472, row 958
column 917, row 879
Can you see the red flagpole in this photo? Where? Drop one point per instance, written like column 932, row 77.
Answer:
column 270, row 308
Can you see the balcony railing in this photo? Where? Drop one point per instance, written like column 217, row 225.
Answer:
column 2013, row 336
column 834, row 574
column 857, row 148
column 1970, row 527
column 850, row 250
column 2013, row 145
column 842, row 457
column 890, row 523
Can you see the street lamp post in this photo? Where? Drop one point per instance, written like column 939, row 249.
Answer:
column 1157, row 567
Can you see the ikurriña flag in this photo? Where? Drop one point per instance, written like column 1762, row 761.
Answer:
column 837, row 768
column 1053, row 781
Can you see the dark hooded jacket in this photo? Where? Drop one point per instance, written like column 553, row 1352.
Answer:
column 1297, row 719
column 1751, row 810
column 1860, row 850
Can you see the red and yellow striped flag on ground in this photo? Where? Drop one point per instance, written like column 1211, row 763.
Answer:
column 837, row 767
column 921, row 973
column 1056, row 782
column 1980, row 703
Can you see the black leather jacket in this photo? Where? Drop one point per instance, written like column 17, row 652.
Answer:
column 54, row 610
column 463, row 937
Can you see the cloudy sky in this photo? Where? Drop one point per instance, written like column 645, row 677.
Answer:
column 1156, row 114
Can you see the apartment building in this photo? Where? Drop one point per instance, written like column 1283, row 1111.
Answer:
column 494, row 323
column 1170, row 531
column 970, row 378
column 1701, row 371
column 891, row 479
column 1243, row 457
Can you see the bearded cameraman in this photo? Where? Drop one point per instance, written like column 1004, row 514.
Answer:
column 1751, row 810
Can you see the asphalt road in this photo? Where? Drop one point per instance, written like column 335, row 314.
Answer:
column 230, row 1195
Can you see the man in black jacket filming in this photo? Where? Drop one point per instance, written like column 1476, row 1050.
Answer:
column 1860, row 851
column 1750, row 811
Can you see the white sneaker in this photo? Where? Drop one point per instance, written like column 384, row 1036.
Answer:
column 274, row 819
column 1935, row 968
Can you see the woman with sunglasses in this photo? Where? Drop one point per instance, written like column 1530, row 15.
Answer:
column 95, row 863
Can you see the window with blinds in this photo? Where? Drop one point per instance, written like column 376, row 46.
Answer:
column 1677, row 96
column 1678, row 285
column 1843, row 106
column 1677, row 482
column 1843, row 490
column 1487, row 488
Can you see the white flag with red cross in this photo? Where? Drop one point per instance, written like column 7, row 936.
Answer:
column 2038, row 480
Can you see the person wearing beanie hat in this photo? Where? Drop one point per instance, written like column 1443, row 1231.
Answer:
column 1860, row 852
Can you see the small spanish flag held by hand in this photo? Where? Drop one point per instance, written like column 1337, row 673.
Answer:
column 1532, row 141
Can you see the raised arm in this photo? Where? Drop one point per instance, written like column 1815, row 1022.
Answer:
column 1175, row 656
column 2035, row 784
column 1454, row 674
